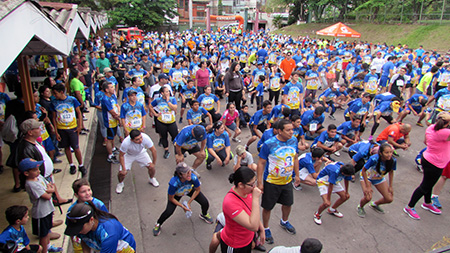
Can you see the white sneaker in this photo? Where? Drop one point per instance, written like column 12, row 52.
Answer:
column 153, row 182
column 119, row 188
column 337, row 154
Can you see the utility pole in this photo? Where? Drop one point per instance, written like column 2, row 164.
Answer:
column 190, row 15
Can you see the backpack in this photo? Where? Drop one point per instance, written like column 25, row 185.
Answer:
column 9, row 131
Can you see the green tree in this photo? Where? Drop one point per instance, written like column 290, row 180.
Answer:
column 220, row 8
column 145, row 14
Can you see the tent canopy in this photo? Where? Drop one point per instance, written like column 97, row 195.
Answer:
column 339, row 30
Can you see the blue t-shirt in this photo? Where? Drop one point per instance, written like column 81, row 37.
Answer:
column 19, row 237
column 188, row 92
column 218, row 143
column 185, row 139
column 357, row 107
column 384, row 108
column 109, row 237
column 265, row 136
column 414, row 102
column 326, row 140
column 132, row 115
column 362, row 150
column 371, row 165
column 260, row 90
column 306, row 161
column 65, row 112
column 98, row 98
column 207, row 101
column 110, row 103
column 276, row 112
column 293, row 92
column 308, row 118
column 196, row 117
column 178, row 188
column 331, row 174
column 386, row 68
column 139, row 73
column 140, row 94
column 346, row 128
column 329, row 94
column 259, row 118
column 298, row 132
column 280, row 158
column 97, row 203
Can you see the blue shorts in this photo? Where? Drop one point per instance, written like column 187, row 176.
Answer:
column 374, row 181
column 232, row 126
column 48, row 144
column 384, row 81
column 416, row 109
column 111, row 133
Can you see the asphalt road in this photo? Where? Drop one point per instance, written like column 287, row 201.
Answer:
column 140, row 205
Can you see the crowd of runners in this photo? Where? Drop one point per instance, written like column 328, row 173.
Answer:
column 277, row 88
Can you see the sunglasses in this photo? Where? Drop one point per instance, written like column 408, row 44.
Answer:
column 253, row 184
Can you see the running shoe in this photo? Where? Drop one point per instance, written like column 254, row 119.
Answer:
column 332, row 117
column 370, row 138
column 419, row 168
column 269, row 237
column 335, row 213
column 153, row 182
column 236, row 140
column 119, row 188
column 112, row 160
column 361, row 211
column 419, row 124
column 298, row 187
column 317, row 218
column 396, row 154
column 376, row 207
column 337, row 154
column 53, row 248
column 436, row 203
column 73, row 169
column 206, row 218
column 208, row 166
column 166, row 154
column 431, row 208
column 288, row 227
column 157, row 229
column 83, row 171
column 411, row 212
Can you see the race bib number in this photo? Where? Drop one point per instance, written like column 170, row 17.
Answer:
column 312, row 127
column 136, row 122
column 400, row 83
column 67, row 117
column 166, row 117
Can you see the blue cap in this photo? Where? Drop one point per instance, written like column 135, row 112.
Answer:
column 260, row 63
column 28, row 164
column 163, row 76
column 199, row 133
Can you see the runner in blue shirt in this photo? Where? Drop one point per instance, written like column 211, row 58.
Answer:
column 218, row 146
column 183, row 183
column 329, row 181
column 187, row 141
column 312, row 122
column 197, row 114
column 387, row 72
column 132, row 114
column 350, row 131
column 187, row 94
column 416, row 105
column 299, row 133
column 385, row 110
column 330, row 141
column 259, row 122
column 98, row 230
column 360, row 153
column 373, row 173
column 280, row 111
column 309, row 165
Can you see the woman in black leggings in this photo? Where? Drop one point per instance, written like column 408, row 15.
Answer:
column 164, row 108
column 183, row 183
column 434, row 159
column 234, row 86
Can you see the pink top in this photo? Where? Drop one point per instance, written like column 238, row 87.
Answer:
column 202, row 77
column 229, row 119
column 233, row 234
column 438, row 148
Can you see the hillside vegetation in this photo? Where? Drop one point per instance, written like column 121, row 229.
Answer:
column 432, row 37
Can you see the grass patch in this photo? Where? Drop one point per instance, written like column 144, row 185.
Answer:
column 431, row 36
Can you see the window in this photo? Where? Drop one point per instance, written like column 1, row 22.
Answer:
column 200, row 7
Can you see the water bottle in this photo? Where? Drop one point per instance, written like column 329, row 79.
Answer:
column 188, row 213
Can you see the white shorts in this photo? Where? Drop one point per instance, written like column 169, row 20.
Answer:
column 323, row 189
column 143, row 159
column 303, row 173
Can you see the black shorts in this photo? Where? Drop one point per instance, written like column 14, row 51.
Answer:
column 261, row 128
column 111, row 133
column 388, row 118
column 190, row 151
column 227, row 249
column 33, row 249
column 41, row 227
column 69, row 138
column 188, row 101
column 273, row 194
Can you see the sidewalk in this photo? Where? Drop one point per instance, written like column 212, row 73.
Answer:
column 63, row 181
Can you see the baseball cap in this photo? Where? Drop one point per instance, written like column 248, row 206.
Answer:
column 395, row 106
column 28, row 164
column 182, row 168
column 163, row 76
column 100, row 76
column 373, row 68
column 199, row 133
column 130, row 92
column 29, row 124
column 335, row 85
column 260, row 63
column 240, row 150
column 77, row 217
column 107, row 69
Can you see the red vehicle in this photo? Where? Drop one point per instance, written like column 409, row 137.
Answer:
column 131, row 33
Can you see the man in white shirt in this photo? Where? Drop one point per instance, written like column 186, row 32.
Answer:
column 378, row 63
column 134, row 149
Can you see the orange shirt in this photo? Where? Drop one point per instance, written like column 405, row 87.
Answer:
column 391, row 131
column 287, row 66
column 191, row 44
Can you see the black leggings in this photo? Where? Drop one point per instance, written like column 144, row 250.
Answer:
column 215, row 116
column 235, row 97
column 274, row 95
column 221, row 153
column 431, row 175
column 170, row 208
column 388, row 119
column 359, row 165
column 163, row 129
